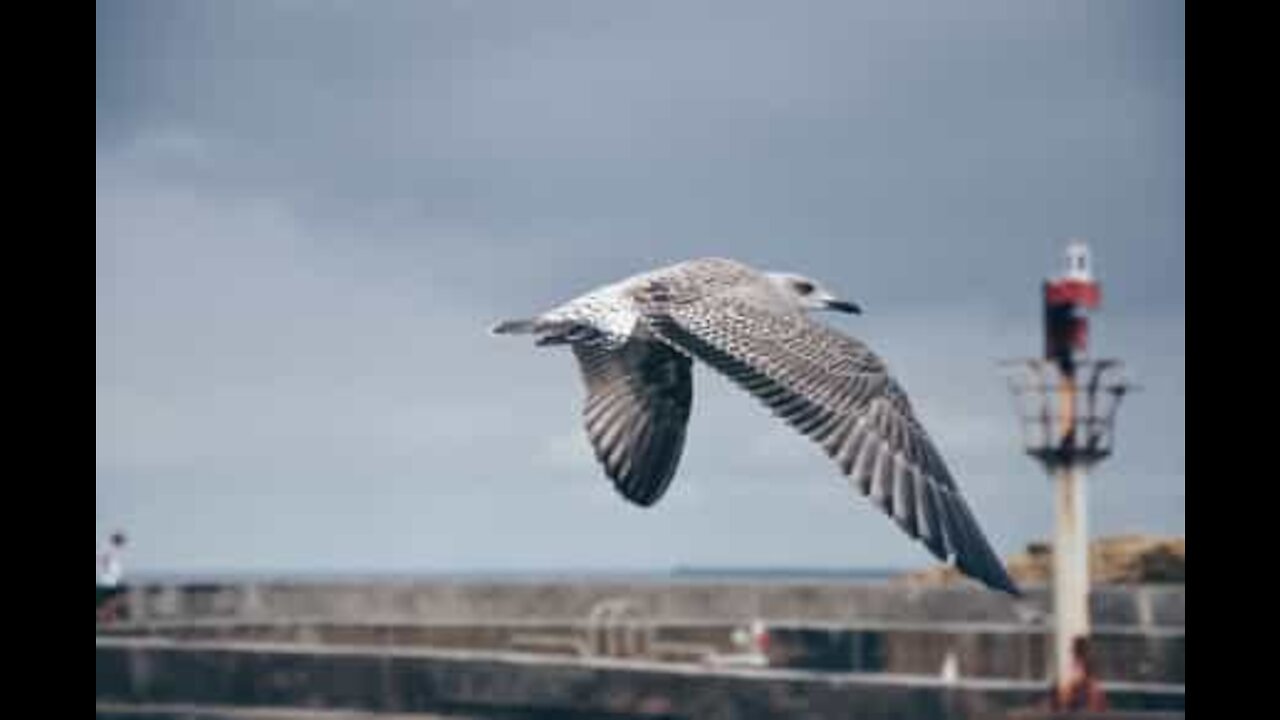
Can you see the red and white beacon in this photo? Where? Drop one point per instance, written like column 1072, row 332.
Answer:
column 1066, row 298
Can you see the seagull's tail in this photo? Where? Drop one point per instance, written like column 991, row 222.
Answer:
column 523, row 326
column 549, row 332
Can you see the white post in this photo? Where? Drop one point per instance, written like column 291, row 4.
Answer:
column 1070, row 564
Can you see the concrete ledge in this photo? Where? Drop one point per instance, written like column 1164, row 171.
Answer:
column 152, row 671
column 127, row 711
column 124, row 711
column 1144, row 606
column 981, row 649
column 1104, row 715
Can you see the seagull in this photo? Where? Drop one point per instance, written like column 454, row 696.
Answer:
column 635, row 341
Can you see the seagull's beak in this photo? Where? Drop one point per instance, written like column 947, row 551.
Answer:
column 844, row 307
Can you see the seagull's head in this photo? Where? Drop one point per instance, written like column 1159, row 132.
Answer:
column 809, row 293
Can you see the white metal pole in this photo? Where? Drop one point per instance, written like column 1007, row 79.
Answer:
column 1070, row 563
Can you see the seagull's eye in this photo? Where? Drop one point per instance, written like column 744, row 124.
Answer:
column 804, row 288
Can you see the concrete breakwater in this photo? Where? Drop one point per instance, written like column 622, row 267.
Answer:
column 1140, row 606
column 976, row 650
column 881, row 646
column 153, row 673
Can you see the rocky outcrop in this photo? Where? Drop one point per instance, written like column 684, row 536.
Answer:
column 1120, row 559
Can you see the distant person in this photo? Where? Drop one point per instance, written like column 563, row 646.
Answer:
column 950, row 667
column 1080, row 690
column 110, row 579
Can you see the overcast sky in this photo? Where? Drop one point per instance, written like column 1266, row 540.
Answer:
column 309, row 214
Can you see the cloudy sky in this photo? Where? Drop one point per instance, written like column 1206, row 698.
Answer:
column 309, row 213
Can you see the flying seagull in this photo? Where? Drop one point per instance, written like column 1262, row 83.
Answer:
column 636, row 339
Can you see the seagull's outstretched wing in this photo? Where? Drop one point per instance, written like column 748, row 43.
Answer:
column 638, row 400
column 835, row 390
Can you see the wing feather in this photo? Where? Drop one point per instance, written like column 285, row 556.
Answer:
column 639, row 396
column 835, row 390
